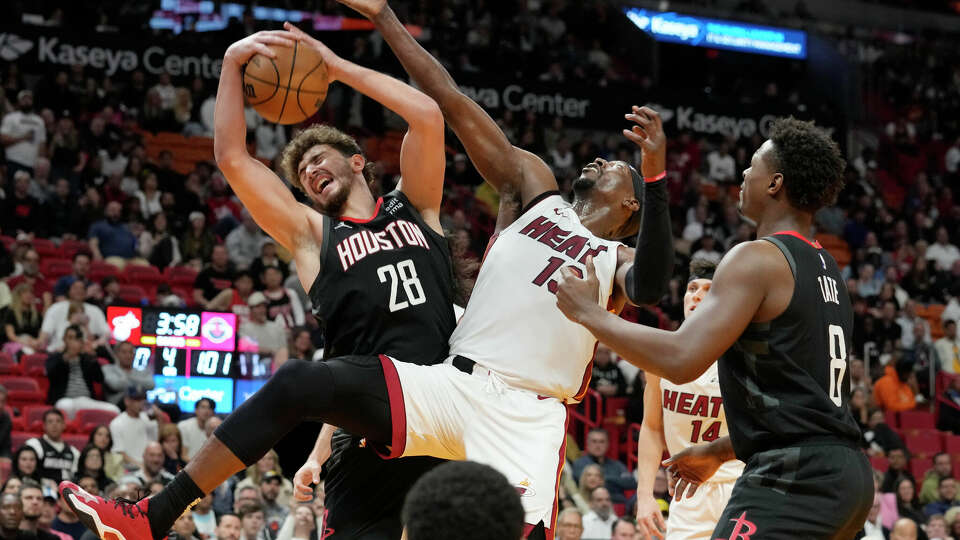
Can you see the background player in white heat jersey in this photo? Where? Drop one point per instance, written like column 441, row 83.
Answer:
column 677, row 416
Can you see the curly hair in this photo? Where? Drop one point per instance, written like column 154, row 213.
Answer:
column 810, row 162
column 312, row 136
column 465, row 500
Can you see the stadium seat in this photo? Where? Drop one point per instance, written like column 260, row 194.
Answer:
column 917, row 420
column 919, row 467
column 147, row 277
column 23, row 389
column 100, row 270
column 70, row 247
column 46, row 248
column 55, row 268
column 8, row 366
column 33, row 416
column 132, row 294
column 951, row 444
column 891, row 419
column 180, row 275
column 34, row 365
column 615, row 407
column 619, row 508
column 78, row 440
column 88, row 419
column 8, row 241
column 5, row 468
column 879, row 463
column 17, row 438
column 924, row 445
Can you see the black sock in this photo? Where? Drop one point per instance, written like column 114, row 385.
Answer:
column 165, row 507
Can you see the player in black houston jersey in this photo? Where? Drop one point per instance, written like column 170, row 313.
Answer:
column 380, row 278
column 385, row 287
column 779, row 318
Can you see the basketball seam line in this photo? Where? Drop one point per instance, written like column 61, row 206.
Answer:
column 293, row 62
column 278, row 85
column 305, row 77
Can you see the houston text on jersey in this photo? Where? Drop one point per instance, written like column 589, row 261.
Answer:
column 399, row 234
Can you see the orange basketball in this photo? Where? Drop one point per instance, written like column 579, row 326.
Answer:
column 288, row 89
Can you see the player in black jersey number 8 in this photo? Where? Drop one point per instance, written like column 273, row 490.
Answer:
column 782, row 343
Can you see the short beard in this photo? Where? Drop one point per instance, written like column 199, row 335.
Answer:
column 334, row 206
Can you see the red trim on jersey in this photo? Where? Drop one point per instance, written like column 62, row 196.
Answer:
column 367, row 220
column 813, row 244
column 587, row 373
column 489, row 245
column 651, row 179
column 562, row 459
column 398, row 412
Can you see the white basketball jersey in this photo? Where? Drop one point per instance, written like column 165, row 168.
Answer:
column 512, row 325
column 693, row 414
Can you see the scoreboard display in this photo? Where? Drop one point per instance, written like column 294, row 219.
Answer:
column 191, row 353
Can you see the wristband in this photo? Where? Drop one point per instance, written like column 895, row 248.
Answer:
column 661, row 176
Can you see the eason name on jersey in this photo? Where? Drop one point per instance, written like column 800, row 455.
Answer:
column 397, row 235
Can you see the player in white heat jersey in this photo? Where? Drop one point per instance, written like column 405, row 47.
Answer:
column 677, row 416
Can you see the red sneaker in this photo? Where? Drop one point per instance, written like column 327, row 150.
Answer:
column 109, row 519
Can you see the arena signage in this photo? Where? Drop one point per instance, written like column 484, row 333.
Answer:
column 515, row 98
column 720, row 34
column 154, row 59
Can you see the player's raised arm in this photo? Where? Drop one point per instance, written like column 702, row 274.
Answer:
column 495, row 158
column 269, row 201
column 644, row 273
column 742, row 281
column 422, row 159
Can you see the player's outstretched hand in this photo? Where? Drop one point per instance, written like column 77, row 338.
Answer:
column 650, row 518
column 689, row 468
column 258, row 43
column 367, row 8
column 648, row 135
column 307, row 476
column 330, row 58
column 577, row 296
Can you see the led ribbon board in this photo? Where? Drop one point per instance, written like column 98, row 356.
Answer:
column 718, row 34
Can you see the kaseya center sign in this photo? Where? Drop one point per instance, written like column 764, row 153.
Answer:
column 111, row 56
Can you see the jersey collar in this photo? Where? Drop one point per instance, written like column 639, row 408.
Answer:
column 367, row 220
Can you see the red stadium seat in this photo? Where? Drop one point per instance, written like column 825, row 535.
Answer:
column 919, row 467
column 8, row 241
column 33, row 416
column 78, row 440
column 924, row 445
column 180, row 275
column 34, row 365
column 23, row 390
column 70, row 247
column 55, row 268
column 615, row 407
column 100, row 270
column 147, row 277
column 8, row 366
column 951, row 444
column 879, row 463
column 132, row 294
column 88, row 419
column 46, row 248
column 917, row 420
column 619, row 508
column 890, row 418
column 17, row 438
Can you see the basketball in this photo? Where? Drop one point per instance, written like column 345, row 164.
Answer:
column 288, row 89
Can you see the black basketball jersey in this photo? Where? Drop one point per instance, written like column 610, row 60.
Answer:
column 785, row 382
column 385, row 285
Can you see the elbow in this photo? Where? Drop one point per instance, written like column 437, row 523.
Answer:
column 427, row 113
column 226, row 156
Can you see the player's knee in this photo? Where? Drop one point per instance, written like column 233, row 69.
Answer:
column 292, row 375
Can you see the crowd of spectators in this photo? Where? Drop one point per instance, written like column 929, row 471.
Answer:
column 77, row 170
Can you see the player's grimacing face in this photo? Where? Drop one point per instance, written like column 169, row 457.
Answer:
column 324, row 173
column 697, row 290
column 602, row 188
